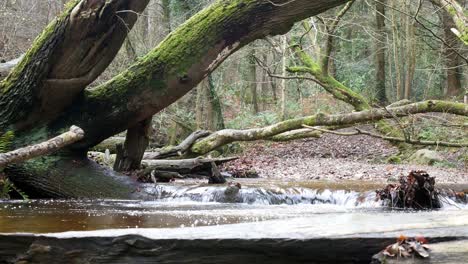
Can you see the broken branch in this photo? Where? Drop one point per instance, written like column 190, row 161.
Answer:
column 41, row 149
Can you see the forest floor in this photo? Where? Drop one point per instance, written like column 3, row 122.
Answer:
column 333, row 157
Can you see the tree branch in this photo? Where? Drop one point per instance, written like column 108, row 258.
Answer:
column 45, row 148
column 393, row 139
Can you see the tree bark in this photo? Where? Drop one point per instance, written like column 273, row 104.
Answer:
column 55, row 71
column 136, row 142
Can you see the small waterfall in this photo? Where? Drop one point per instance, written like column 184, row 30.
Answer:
column 272, row 195
column 262, row 196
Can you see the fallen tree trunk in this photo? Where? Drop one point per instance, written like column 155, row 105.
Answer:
column 41, row 149
column 227, row 136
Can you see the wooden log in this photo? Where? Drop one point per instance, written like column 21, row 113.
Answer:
column 138, row 249
column 184, row 166
column 48, row 147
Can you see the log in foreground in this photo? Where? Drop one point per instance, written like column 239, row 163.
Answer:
column 137, row 249
column 41, row 149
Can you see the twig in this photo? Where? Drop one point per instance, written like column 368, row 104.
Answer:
column 272, row 75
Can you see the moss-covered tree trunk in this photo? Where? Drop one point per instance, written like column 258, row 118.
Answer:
column 45, row 94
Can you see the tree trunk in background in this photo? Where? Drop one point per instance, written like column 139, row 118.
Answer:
column 204, row 109
column 209, row 114
column 262, row 85
column 396, row 50
column 167, row 15
column 282, row 82
column 410, row 53
column 199, row 106
column 218, row 119
column 452, row 60
column 252, row 78
column 380, row 47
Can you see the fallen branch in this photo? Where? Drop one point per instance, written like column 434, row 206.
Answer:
column 41, row 149
column 393, row 139
column 178, row 150
column 226, row 136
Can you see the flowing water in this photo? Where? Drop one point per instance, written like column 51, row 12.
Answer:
column 264, row 209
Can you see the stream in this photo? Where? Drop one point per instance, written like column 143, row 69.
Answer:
column 262, row 209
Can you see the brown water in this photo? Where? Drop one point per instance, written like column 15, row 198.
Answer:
column 270, row 208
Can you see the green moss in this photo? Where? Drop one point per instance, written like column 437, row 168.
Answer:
column 451, row 10
column 5, row 141
column 395, row 159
